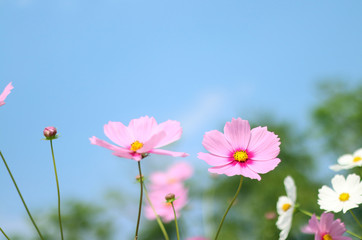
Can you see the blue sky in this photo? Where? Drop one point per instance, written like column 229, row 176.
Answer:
column 78, row 64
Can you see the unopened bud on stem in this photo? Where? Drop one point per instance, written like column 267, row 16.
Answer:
column 50, row 133
column 170, row 197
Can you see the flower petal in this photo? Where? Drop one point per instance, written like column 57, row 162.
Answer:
column 263, row 166
column 237, row 133
column 168, row 153
column 118, row 133
column 215, row 142
column 290, row 188
column 6, row 92
column 142, row 129
column 214, row 160
column 180, row 171
column 263, row 145
column 235, row 168
column 152, row 142
column 173, row 132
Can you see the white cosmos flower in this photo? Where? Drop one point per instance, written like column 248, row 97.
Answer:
column 285, row 208
column 348, row 161
column 346, row 194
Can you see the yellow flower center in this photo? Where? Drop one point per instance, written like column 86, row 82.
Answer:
column 240, row 156
column 136, row 145
column 357, row 159
column 344, row 197
column 286, row 206
column 327, row 237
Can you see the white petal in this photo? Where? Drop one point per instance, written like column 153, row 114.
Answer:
column 290, row 188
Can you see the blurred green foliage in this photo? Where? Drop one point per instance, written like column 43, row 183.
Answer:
column 338, row 118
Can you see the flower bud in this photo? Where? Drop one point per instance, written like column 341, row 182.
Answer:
column 50, row 132
column 170, row 197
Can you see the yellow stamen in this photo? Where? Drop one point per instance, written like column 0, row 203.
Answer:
column 286, row 206
column 357, row 159
column 240, row 156
column 136, row 145
column 344, row 197
column 327, row 237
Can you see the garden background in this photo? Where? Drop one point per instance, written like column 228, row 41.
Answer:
column 295, row 66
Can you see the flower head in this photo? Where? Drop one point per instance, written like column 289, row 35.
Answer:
column 5, row 93
column 164, row 208
column 176, row 173
column 327, row 228
column 348, row 161
column 285, row 208
column 241, row 151
column 141, row 137
column 50, row 133
column 346, row 194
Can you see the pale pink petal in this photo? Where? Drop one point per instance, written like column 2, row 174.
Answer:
column 235, row 168
column 96, row 141
column 142, row 129
column 6, row 92
column 152, row 142
column 326, row 221
column 118, row 133
column 159, row 178
column 264, row 145
column 168, row 153
column 173, row 132
column 180, row 171
column 237, row 133
column 215, row 142
column 118, row 151
column 263, row 166
column 134, row 156
column 214, row 160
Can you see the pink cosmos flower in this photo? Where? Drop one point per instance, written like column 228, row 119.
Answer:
column 241, row 151
column 164, row 209
column 5, row 93
column 178, row 172
column 326, row 228
column 141, row 137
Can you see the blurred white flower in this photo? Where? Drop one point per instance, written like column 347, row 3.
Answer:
column 346, row 194
column 348, row 161
column 285, row 208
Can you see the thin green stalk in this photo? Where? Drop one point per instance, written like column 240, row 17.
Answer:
column 227, row 210
column 4, row 234
column 140, row 204
column 157, row 217
column 355, row 218
column 56, row 178
column 174, row 212
column 21, row 197
column 310, row 214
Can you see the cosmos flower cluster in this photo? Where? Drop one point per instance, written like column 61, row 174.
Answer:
column 238, row 150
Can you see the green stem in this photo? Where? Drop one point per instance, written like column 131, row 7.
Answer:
column 310, row 214
column 4, row 234
column 174, row 212
column 22, row 199
column 56, row 178
column 140, row 204
column 355, row 218
column 227, row 210
column 157, row 217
